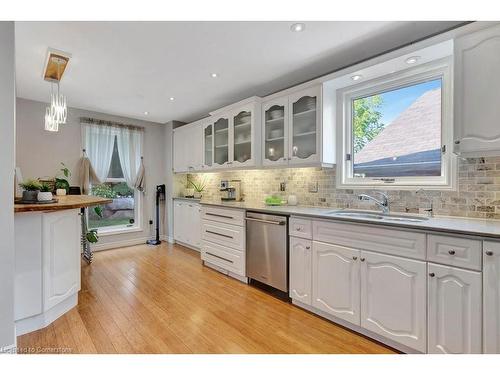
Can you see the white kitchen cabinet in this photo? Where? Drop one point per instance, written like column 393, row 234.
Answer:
column 336, row 281
column 491, row 297
column 60, row 255
column 292, row 129
column 188, row 148
column 477, row 78
column 393, row 298
column 454, row 310
column 300, row 269
column 208, row 145
column 221, row 141
column 187, row 223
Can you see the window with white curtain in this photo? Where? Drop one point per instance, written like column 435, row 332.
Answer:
column 115, row 153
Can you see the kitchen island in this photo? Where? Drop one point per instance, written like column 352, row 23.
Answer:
column 47, row 259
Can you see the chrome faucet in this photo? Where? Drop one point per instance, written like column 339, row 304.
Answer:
column 383, row 203
column 430, row 210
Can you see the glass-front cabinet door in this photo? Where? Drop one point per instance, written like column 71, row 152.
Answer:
column 221, row 142
column 208, row 145
column 275, row 131
column 304, row 119
column 242, row 137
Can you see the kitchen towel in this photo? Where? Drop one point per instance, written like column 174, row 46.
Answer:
column 87, row 175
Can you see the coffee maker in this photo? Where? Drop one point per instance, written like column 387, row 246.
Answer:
column 230, row 190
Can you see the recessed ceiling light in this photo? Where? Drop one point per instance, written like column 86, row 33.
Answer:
column 146, row 113
column 412, row 59
column 298, row 27
column 356, row 77
column 172, row 98
column 214, row 75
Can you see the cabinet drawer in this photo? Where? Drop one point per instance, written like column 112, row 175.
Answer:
column 224, row 257
column 363, row 237
column 223, row 234
column 454, row 251
column 300, row 228
column 223, row 215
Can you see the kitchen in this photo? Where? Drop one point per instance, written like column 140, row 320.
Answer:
column 352, row 209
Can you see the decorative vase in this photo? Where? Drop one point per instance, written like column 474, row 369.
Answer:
column 44, row 196
column 61, row 192
column 292, row 200
column 30, row 195
column 197, row 194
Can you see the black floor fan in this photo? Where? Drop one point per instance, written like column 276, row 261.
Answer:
column 160, row 194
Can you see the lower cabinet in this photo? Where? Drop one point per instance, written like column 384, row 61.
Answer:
column 300, row 269
column 393, row 298
column 187, row 223
column 454, row 309
column 60, row 255
column 491, row 297
column 335, row 281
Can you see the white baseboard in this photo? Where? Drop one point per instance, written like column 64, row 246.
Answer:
column 243, row 279
column 188, row 246
column 124, row 243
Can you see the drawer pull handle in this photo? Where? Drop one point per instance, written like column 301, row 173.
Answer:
column 224, row 216
column 354, row 258
column 216, row 256
column 432, row 274
column 362, row 259
column 219, row 234
column 489, row 253
column 451, row 252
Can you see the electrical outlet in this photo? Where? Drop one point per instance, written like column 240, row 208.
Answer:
column 312, row 187
column 282, row 186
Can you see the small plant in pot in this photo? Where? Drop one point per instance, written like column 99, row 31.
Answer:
column 44, row 194
column 31, row 188
column 62, row 184
column 198, row 187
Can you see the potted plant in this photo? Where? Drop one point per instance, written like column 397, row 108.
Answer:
column 44, row 194
column 62, row 184
column 198, row 187
column 31, row 188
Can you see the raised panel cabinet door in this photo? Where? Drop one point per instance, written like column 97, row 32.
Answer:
column 300, row 269
column 335, row 288
column 491, row 297
column 275, row 132
column 454, row 303
column 179, row 221
column 61, row 256
column 477, row 78
column 194, row 228
column 393, row 298
column 179, row 153
column 305, row 126
column 194, row 147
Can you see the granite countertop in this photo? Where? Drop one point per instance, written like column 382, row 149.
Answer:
column 457, row 225
column 187, row 199
column 64, row 202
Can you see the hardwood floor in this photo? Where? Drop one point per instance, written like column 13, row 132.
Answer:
column 161, row 299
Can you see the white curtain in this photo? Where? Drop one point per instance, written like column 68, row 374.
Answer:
column 129, row 142
column 99, row 142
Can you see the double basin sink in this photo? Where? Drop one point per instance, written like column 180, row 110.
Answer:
column 371, row 215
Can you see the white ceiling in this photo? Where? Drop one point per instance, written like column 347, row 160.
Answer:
column 127, row 68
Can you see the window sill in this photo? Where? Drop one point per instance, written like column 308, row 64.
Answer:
column 117, row 230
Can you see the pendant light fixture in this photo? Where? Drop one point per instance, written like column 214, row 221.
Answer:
column 57, row 112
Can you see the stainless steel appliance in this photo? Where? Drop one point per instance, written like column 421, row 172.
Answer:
column 267, row 249
column 231, row 190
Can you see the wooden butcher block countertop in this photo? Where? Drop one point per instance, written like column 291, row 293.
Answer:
column 65, row 202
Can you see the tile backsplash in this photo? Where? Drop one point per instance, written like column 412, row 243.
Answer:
column 478, row 193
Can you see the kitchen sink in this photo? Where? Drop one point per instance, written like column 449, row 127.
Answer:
column 378, row 216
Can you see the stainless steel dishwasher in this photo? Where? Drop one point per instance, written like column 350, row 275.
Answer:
column 267, row 249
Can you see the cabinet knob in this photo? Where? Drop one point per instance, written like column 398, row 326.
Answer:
column 308, row 247
column 354, row 258
column 457, row 142
column 451, row 252
column 489, row 253
column 362, row 259
column 298, row 229
column 432, row 274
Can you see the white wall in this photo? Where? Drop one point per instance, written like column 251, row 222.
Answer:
column 39, row 154
column 7, row 152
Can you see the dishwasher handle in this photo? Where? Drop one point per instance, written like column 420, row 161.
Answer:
column 266, row 221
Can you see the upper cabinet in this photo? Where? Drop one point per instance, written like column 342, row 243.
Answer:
column 292, row 129
column 221, row 141
column 208, row 145
column 477, row 78
column 188, row 148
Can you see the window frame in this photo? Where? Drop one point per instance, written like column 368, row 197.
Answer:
column 438, row 69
